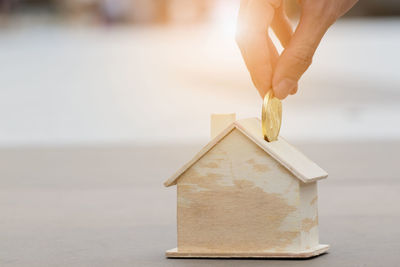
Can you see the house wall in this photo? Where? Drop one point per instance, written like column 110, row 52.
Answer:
column 309, row 215
column 238, row 198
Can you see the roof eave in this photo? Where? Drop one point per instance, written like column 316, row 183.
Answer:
column 301, row 177
column 236, row 125
column 173, row 179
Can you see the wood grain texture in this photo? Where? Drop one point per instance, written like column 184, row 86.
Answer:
column 235, row 198
column 241, row 194
column 308, row 253
column 308, row 215
column 292, row 159
column 295, row 161
column 173, row 179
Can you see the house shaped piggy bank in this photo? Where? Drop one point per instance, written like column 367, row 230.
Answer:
column 242, row 196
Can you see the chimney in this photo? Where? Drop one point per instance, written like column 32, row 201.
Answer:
column 220, row 121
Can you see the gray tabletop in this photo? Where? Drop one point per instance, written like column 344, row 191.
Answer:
column 106, row 206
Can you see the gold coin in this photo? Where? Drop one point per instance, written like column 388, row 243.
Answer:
column 271, row 117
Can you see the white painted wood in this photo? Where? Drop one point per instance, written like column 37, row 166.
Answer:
column 296, row 162
column 238, row 198
column 172, row 180
column 309, row 215
column 220, row 122
column 241, row 196
column 282, row 151
column 308, row 253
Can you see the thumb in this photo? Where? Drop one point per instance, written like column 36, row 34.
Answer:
column 297, row 56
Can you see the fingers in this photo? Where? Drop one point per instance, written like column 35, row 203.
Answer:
column 255, row 16
column 282, row 26
column 273, row 60
column 273, row 53
column 297, row 56
column 258, row 62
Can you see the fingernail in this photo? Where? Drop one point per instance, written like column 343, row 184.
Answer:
column 284, row 88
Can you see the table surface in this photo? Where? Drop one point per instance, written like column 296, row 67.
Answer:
column 106, row 206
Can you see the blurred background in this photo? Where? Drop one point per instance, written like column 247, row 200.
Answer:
column 103, row 100
column 152, row 71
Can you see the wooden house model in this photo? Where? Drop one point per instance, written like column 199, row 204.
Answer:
column 242, row 196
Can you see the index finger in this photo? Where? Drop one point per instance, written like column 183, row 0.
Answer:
column 252, row 38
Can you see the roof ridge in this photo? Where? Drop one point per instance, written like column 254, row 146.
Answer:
column 287, row 155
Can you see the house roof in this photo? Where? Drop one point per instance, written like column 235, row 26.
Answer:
column 291, row 158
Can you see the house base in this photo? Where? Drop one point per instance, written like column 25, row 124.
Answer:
column 308, row 253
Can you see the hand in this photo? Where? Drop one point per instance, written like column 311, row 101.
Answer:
column 282, row 72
